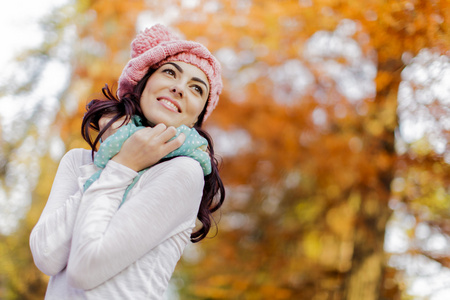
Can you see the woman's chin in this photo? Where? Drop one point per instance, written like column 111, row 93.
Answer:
column 164, row 120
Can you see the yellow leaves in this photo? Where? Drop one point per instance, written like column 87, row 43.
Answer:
column 328, row 251
column 82, row 5
column 333, row 191
column 440, row 199
column 308, row 212
column 312, row 244
column 274, row 292
column 20, row 279
column 48, row 167
column 433, row 203
column 422, row 147
column 384, row 121
column 238, row 286
column 214, row 288
column 96, row 69
column 424, row 186
column 340, row 220
column 209, row 292
column 427, row 192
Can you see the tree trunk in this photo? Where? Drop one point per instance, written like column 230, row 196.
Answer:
column 366, row 276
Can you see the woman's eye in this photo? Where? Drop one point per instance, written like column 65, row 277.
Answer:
column 198, row 89
column 169, row 71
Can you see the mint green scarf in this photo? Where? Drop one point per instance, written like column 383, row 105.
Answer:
column 194, row 146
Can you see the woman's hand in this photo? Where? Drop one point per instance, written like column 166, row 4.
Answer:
column 147, row 146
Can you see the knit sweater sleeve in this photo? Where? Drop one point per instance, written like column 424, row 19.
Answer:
column 51, row 237
column 107, row 239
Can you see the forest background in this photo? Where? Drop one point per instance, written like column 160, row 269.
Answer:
column 333, row 129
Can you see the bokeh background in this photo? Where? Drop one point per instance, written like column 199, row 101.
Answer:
column 333, row 129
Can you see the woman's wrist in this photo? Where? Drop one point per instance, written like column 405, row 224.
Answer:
column 127, row 163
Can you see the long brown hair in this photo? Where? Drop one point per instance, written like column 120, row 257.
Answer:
column 129, row 105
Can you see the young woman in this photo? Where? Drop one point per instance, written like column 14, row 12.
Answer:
column 115, row 226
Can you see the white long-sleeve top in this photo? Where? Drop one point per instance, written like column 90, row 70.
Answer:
column 92, row 249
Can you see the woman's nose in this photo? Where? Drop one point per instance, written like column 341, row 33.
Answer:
column 177, row 90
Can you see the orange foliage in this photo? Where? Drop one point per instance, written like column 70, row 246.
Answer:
column 307, row 198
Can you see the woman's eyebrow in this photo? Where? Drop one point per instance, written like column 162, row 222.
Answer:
column 176, row 66
column 201, row 81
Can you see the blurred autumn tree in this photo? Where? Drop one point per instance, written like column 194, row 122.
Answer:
column 27, row 153
column 30, row 148
column 314, row 86
column 308, row 126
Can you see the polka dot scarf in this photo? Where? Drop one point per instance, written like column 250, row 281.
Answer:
column 194, row 146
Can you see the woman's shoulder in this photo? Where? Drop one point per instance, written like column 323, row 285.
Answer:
column 180, row 176
column 179, row 166
column 77, row 156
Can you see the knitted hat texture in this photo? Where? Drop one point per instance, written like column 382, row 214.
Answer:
column 156, row 46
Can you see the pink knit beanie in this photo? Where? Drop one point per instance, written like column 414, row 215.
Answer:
column 156, row 46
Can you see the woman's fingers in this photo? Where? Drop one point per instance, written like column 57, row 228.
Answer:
column 168, row 139
column 174, row 144
column 147, row 146
column 162, row 134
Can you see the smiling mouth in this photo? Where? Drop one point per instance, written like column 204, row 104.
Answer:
column 172, row 106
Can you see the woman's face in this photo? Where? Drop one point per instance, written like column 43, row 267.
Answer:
column 175, row 94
